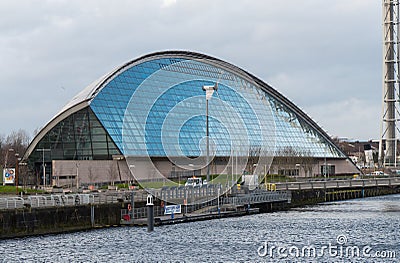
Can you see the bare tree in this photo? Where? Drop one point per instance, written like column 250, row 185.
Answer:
column 92, row 176
column 290, row 159
column 1, row 141
column 112, row 172
column 18, row 140
column 36, row 131
column 254, row 155
column 15, row 143
column 23, row 176
column 307, row 163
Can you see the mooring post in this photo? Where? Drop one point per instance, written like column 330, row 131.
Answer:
column 92, row 214
column 150, row 213
column 132, row 212
column 219, row 209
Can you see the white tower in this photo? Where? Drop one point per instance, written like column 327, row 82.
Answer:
column 391, row 69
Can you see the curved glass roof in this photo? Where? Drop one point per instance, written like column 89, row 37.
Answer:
column 155, row 106
column 149, row 90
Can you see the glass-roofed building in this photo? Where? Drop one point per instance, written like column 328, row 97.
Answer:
column 148, row 118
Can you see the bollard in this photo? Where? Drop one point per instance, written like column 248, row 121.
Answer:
column 150, row 213
column 92, row 215
column 132, row 212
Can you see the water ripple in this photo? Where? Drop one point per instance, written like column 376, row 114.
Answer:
column 365, row 222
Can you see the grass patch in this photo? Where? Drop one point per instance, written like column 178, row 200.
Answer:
column 11, row 189
column 275, row 178
column 159, row 184
column 224, row 178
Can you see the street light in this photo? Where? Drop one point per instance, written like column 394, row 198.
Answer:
column 43, row 165
column 5, row 162
column 77, row 176
column 191, row 165
column 254, row 167
column 23, row 164
column 209, row 92
column 17, row 160
column 132, row 166
column 6, row 159
column 131, row 174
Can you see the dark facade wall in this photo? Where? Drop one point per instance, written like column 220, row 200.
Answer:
column 312, row 197
column 25, row 222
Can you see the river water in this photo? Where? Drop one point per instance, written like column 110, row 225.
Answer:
column 361, row 230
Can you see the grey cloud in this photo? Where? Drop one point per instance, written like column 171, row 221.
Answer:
column 315, row 52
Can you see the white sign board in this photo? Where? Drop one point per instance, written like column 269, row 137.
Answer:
column 172, row 209
column 8, row 175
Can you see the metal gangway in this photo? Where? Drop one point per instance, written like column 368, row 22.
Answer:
column 190, row 194
column 257, row 197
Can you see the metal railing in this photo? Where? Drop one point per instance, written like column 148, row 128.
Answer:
column 11, row 202
column 60, row 200
column 198, row 194
column 338, row 183
column 38, row 201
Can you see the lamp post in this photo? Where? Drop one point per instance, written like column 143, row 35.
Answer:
column 209, row 92
column 77, row 176
column 131, row 174
column 6, row 159
column 17, row 160
column 22, row 171
column 5, row 162
column 43, row 165
column 297, row 171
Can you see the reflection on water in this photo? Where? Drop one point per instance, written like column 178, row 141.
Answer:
column 372, row 222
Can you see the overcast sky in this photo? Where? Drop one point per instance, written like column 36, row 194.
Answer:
column 325, row 56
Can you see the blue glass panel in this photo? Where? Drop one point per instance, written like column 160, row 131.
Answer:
column 175, row 82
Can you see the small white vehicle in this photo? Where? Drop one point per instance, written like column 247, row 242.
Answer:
column 194, row 181
column 379, row 173
column 250, row 180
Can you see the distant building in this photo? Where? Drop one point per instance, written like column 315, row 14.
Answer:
column 363, row 153
column 154, row 107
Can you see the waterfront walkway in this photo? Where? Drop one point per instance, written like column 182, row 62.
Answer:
column 203, row 195
column 333, row 183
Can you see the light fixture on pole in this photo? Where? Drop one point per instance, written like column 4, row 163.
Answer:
column 43, row 164
column 6, row 164
column 17, row 160
column 6, row 159
column 209, row 92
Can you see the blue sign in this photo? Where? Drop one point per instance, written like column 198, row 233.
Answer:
column 172, row 209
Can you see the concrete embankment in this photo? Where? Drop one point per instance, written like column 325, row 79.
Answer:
column 315, row 196
column 49, row 220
